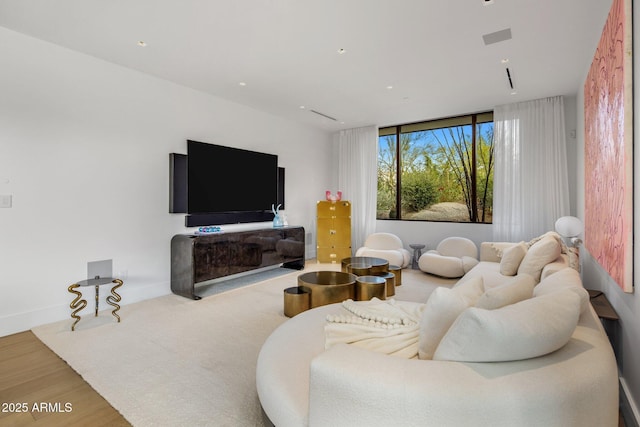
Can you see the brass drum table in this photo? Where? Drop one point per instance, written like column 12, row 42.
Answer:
column 328, row 287
column 296, row 300
column 391, row 282
column 376, row 265
column 368, row 287
column 397, row 271
column 79, row 303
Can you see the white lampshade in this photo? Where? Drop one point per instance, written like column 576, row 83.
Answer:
column 569, row 226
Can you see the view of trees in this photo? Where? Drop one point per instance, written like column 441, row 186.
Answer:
column 441, row 179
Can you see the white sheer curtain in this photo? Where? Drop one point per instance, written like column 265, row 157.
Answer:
column 357, row 178
column 531, row 189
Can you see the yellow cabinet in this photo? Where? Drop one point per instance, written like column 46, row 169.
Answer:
column 334, row 231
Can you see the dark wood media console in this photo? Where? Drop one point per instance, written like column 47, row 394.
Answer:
column 196, row 258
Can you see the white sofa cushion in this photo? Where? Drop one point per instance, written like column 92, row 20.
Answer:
column 541, row 253
column 511, row 259
column 567, row 278
column 524, row 330
column 518, row 288
column 441, row 310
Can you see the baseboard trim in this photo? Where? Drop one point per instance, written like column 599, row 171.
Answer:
column 628, row 406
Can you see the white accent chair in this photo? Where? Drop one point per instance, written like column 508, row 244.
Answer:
column 452, row 258
column 386, row 246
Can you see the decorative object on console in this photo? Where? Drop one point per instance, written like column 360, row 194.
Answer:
column 331, row 198
column 277, row 219
column 570, row 228
column 209, row 230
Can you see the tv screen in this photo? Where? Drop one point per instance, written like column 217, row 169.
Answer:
column 226, row 179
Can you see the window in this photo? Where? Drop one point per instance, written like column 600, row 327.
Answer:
column 440, row 170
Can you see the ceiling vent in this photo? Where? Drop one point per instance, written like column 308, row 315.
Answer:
column 496, row 37
column 324, row 115
column 510, row 79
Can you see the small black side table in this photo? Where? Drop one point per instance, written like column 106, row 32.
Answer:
column 78, row 303
column 417, row 251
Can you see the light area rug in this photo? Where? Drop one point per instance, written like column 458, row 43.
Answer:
column 173, row 361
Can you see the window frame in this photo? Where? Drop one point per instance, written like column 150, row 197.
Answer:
column 472, row 120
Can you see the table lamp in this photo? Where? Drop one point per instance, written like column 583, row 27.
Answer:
column 570, row 227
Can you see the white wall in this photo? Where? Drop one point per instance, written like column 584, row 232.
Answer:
column 84, row 153
column 627, row 341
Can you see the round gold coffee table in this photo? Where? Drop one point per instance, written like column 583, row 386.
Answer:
column 359, row 269
column 391, row 282
column 397, row 270
column 368, row 287
column 378, row 265
column 328, row 287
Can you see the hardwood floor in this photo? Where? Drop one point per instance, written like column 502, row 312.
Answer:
column 37, row 388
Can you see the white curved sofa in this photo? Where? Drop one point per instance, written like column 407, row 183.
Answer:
column 300, row 383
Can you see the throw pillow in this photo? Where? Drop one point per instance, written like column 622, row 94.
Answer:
column 441, row 310
column 470, row 289
column 541, row 253
column 517, row 289
column 567, row 278
column 524, row 330
column 511, row 259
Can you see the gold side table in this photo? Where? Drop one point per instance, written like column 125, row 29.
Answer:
column 79, row 303
column 397, row 270
column 368, row 287
column 391, row 282
column 296, row 300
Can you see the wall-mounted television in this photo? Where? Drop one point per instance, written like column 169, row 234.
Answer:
column 215, row 184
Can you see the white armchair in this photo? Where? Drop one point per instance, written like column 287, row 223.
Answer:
column 452, row 258
column 386, row 246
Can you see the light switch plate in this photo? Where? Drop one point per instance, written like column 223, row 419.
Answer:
column 5, row 200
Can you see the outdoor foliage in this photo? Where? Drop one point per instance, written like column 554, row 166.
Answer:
column 418, row 191
column 437, row 167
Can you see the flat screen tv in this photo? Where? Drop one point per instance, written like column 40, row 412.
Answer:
column 229, row 185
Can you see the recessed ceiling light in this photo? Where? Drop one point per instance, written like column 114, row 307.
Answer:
column 342, row 51
column 505, row 60
column 514, row 92
column 142, row 43
column 302, row 107
column 389, row 87
column 242, row 84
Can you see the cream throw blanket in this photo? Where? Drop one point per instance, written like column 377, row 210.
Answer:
column 390, row 327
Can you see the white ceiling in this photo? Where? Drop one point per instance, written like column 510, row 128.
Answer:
column 286, row 51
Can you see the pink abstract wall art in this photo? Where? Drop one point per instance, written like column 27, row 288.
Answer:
column 609, row 149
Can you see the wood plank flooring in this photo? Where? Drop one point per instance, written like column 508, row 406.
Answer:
column 37, row 388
